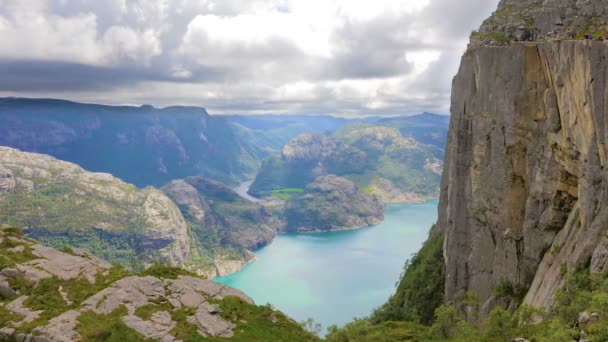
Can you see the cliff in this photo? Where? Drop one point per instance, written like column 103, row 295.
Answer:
column 524, row 191
column 60, row 201
column 195, row 223
column 47, row 295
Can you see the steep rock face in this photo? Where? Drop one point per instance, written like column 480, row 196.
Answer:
column 332, row 203
column 59, row 200
column 524, row 191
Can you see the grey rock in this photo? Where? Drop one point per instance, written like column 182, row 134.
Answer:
column 17, row 307
column 17, row 249
column 61, row 328
column 161, row 219
column 7, row 334
column 210, row 323
column 133, row 292
column 583, row 318
column 158, row 327
column 594, row 317
column 6, row 290
column 583, row 337
column 520, row 197
column 190, row 286
column 66, row 266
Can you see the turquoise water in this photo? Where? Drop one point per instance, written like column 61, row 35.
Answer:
column 333, row 277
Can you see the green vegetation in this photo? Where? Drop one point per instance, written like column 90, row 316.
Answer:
column 166, row 271
column 94, row 327
column 372, row 156
column 255, row 323
column 147, row 311
column 420, row 290
column 507, row 290
column 495, row 36
column 9, row 258
column 286, row 193
column 582, row 291
column 7, row 316
column 80, row 289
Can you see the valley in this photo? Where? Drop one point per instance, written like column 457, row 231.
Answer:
column 336, row 276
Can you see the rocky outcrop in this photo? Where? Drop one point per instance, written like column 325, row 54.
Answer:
column 534, row 20
column 156, row 307
column 332, row 203
column 524, row 191
column 69, row 200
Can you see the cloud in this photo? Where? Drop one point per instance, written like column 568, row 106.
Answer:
column 347, row 57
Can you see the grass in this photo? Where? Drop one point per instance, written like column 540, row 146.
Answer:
column 7, row 316
column 10, row 259
column 94, row 327
column 254, row 323
column 166, row 271
column 286, row 193
column 147, row 311
column 80, row 289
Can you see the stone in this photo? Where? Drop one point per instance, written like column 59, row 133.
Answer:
column 583, row 318
column 65, row 266
column 210, row 323
column 133, row 292
column 61, row 328
column 158, row 327
column 594, row 317
column 7, row 334
column 519, row 339
column 17, row 307
column 583, row 337
column 525, row 168
column 163, row 226
column 6, row 291
column 17, row 249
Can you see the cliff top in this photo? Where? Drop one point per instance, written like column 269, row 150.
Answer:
column 534, row 20
column 70, row 295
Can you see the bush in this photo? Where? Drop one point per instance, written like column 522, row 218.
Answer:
column 420, row 290
column 499, row 326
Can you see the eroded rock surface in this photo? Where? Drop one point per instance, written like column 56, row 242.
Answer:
column 524, row 192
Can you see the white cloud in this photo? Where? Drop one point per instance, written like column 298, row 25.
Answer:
column 304, row 56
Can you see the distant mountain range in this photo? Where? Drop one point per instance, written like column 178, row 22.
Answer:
column 148, row 146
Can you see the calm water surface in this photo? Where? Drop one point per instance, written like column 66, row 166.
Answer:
column 333, row 277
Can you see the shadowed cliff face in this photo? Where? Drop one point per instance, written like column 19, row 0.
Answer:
column 523, row 195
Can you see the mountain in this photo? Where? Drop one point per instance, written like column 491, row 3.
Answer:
column 269, row 133
column 209, row 230
column 377, row 158
column 520, row 248
column 331, row 203
column 168, row 143
column 70, row 295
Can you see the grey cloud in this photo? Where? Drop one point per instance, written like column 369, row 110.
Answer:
column 250, row 72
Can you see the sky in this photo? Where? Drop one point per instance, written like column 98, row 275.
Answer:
column 340, row 57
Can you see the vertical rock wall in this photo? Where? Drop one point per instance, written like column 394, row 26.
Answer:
column 523, row 195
